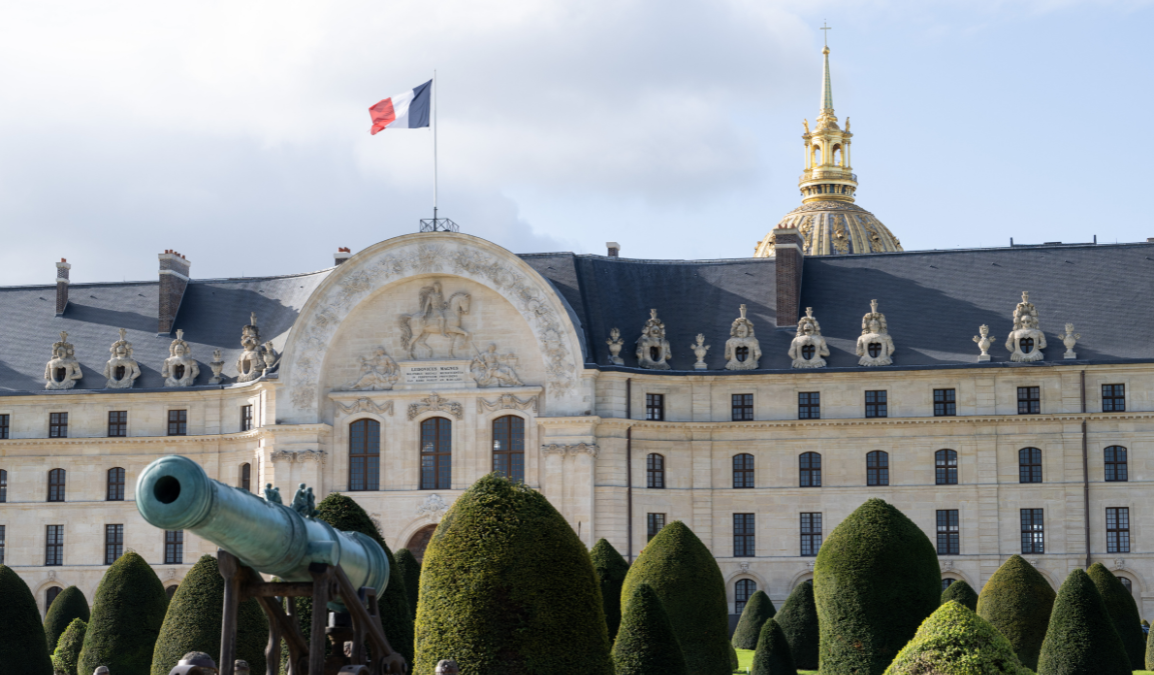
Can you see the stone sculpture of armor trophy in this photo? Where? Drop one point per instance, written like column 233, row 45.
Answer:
column 492, row 369
column 652, row 348
column 742, row 350
column 808, row 348
column 217, row 365
column 179, row 369
column 255, row 358
column 700, row 349
column 1026, row 342
column 984, row 342
column 63, row 370
column 874, row 346
column 121, row 370
column 615, row 344
column 378, row 372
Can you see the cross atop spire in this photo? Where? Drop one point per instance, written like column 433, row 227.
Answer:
column 825, row 36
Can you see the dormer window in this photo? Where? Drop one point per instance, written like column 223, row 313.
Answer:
column 741, row 353
column 875, row 349
column 1026, row 345
column 807, row 352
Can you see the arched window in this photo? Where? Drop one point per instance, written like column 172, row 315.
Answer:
column 946, row 583
column 436, row 454
column 246, row 477
column 837, row 154
column 56, row 485
column 743, row 470
column 420, row 541
column 115, row 491
column 1116, row 467
column 509, row 447
column 3, row 486
column 946, row 467
column 816, row 154
column 1128, row 584
column 655, row 471
column 742, row 590
column 50, row 596
column 809, row 464
column 364, row 455
column 1029, row 465
column 170, row 591
column 877, row 468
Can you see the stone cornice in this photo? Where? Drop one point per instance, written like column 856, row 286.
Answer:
column 269, row 431
column 576, row 420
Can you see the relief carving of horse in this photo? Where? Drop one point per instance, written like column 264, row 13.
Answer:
column 444, row 320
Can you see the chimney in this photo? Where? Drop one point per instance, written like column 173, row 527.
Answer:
column 341, row 255
column 614, row 248
column 62, row 282
column 173, row 282
column 787, row 250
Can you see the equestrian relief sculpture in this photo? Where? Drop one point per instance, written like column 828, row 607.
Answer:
column 438, row 316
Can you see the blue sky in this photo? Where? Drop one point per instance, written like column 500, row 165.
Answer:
column 237, row 133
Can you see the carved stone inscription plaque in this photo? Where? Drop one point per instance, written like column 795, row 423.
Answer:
column 416, row 374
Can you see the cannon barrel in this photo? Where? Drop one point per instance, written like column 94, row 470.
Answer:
column 174, row 493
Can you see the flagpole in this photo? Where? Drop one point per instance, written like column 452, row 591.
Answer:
column 434, row 147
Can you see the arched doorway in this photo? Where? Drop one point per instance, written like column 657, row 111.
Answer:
column 420, row 541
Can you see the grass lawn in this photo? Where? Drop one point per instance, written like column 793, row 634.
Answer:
column 745, row 662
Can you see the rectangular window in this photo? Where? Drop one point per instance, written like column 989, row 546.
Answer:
column 810, row 533
column 246, row 418
column 1033, row 532
column 655, row 407
column 949, row 534
column 174, row 547
column 654, row 522
column 54, row 546
column 1118, row 530
column 742, row 407
column 117, row 423
column 3, row 486
column 743, row 535
column 113, row 543
column 809, row 405
column 875, row 402
column 1113, row 398
column 3, row 427
column 57, row 425
column 1029, row 400
column 877, row 468
column 177, row 422
column 3, row 532
column 944, row 405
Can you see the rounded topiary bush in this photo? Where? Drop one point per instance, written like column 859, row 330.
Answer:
column 758, row 609
column 686, row 578
column 1123, row 612
column 962, row 593
column 67, row 654
column 1017, row 601
column 956, row 641
column 410, row 569
column 1081, row 639
column 876, row 579
column 645, row 642
column 772, row 656
column 508, row 588
column 798, row 621
column 611, row 569
column 70, row 604
column 192, row 623
column 23, row 647
column 127, row 613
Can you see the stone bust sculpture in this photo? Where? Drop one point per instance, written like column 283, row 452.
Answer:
column 63, row 370
column 808, row 348
column 652, row 348
column 179, row 369
column 1026, row 342
column 121, row 370
column 874, row 346
column 742, row 350
column 615, row 344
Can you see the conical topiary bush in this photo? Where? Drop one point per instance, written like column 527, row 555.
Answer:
column 798, row 621
column 1150, row 650
column 70, row 604
column 686, row 578
column 757, row 610
column 1017, row 600
column 192, row 623
column 962, row 593
column 1081, row 639
column 772, row 656
column 1123, row 612
column 645, row 642
column 875, row 580
column 23, row 647
column 410, row 569
column 507, row 587
column 956, row 641
column 611, row 569
column 127, row 613
column 67, row 654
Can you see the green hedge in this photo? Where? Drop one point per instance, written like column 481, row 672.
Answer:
column 192, row 623
column 1081, row 639
column 127, row 613
column 772, row 656
column 956, row 641
column 23, row 646
column 1017, row 600
column 1150, row 650
column 876, row 579
column 798, row 621
column 70, row 604
column 1123, row 611
column 67, row 654
column 508, row 588
column 963, row 593
column 645, row 643
column 686, row 578
column 611, row 569
column 410, row 569
column 758, row 609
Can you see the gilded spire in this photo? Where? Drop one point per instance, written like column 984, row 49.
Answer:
column 826, row 89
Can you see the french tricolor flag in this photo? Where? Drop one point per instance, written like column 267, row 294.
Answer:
column 409, row 110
